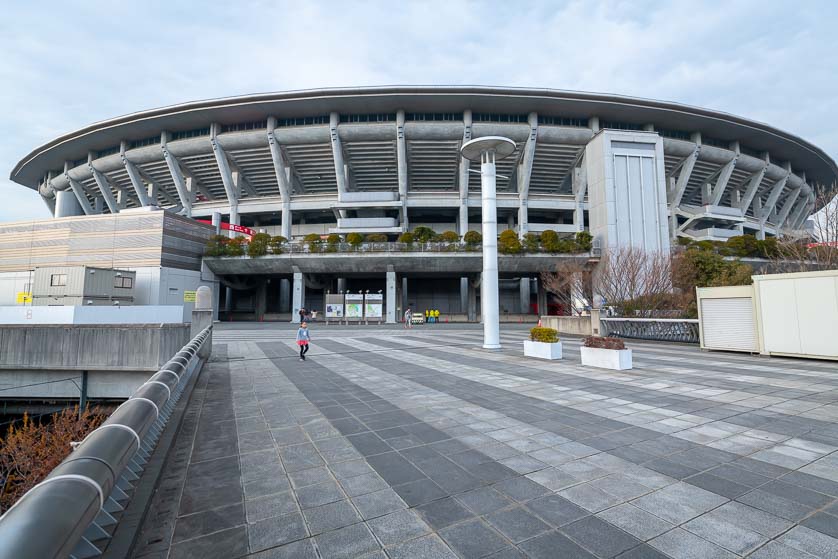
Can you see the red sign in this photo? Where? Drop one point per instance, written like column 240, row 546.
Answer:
column 231, row 227
column 829, row 244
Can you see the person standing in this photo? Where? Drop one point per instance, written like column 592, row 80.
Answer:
column 408, row 318
column 302, row 313
column 303, row 339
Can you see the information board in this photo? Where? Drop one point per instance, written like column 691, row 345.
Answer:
column 354, row 305
column 373, row 305
column 189, row 296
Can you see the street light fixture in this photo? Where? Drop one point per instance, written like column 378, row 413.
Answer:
column 487, row 150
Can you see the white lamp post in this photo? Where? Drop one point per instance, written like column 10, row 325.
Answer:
column 487, row 150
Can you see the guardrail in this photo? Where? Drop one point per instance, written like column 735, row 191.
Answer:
column 658, row 329
column 68, row 513
column 435, row 247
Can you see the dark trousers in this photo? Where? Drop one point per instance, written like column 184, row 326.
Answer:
column 303, row 351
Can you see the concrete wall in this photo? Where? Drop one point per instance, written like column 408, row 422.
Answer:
column 573, row 325
column 31, row 315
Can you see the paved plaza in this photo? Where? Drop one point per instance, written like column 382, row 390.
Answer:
column 419, row 444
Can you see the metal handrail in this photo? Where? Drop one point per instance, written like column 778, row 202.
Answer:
column 64, row 514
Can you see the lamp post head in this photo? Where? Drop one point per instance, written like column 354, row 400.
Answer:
column 502, row 147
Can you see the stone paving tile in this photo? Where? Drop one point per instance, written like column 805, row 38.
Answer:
column 396, row 441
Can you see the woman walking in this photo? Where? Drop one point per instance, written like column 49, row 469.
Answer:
column 303, row 338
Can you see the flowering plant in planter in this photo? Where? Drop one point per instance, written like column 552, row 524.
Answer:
column 543, row 343
column 607, row 353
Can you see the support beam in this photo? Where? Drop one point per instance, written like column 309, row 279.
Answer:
column 799, row 215
column 463, row 176
column 226, row 174
column 104, row 185
column 787, row 206
column 177, row 175
column 401, row 155
column 721, row 182
column 752, row 188
column 524, row 172
column 337, row 155
column 282, row 177
column 78, row 191
column 771, row 203
column 579, row 186
column 297, row 296
column 683, row 178
column 134, row 175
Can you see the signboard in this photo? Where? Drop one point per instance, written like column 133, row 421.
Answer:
column 334, row 310
column 354, row 305
column 23, row 297
column 189, row 296
column 373, row 305
column 231, row 227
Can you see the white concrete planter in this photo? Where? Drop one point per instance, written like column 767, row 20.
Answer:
column 543, row 350
column 617, row 359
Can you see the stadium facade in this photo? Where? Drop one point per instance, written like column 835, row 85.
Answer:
column 386, row 159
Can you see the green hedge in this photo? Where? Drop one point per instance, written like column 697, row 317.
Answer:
column 546, row 335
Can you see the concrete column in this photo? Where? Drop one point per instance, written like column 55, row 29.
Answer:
column 216, row 222
column 472, row 301
column 525, row 295
column 391, row 296
column 463, row 177
column 66, row 204
column 298, row 297
column 405, row 301
column 510, row 221
column 489, row 297
column 228, row 301
column 284, row 295
column 341, row 283
column 542, row 299
column 463, row 295
column 337, row 155
column 261, row 300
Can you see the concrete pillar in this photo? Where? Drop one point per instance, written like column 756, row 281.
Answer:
column 472, row 301
column 510, row 221
column 261, row 300
column 66, row 204
column 391, row 297
column 464, row 295
column 405, row 301
column 298, row 297
column 525, row 295
column 228, row 301
column 341, row 285
column 201, row 318
column 542, row 299
column 284, row 295
column 216, row 222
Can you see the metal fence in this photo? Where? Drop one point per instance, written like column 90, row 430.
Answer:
column 70, row 512
column 658, row 329
column 386, row 247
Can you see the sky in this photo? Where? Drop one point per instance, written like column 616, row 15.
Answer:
column 66, row 64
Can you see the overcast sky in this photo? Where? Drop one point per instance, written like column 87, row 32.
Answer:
column 63, row 66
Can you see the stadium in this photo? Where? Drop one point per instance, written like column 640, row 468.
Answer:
column 386, row 160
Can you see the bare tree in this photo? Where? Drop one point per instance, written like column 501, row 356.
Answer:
column 570, row 284
column 635, row 282
column 802, row 254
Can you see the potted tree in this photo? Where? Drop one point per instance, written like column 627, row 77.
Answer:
column 606, row 353
column 543, row 343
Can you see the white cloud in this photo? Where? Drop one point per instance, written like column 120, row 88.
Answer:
column 65, row 65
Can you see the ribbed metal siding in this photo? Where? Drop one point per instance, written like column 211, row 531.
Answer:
column 728, row 324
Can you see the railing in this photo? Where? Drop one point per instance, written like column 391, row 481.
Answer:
column 389, row 247
column 68, row 512
column 658, row 329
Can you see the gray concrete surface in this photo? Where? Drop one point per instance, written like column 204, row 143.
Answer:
column 394, row 443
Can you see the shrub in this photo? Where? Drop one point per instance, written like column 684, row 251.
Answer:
column 333, row 239
column 376, row 238
column 768, row 248
column 684, row 241
column 276, row 244
column 742, row 245
column 550, row 241
column 604, row 343
column 354, row 239
column 472, row 238
column 30, row 450
column 508, row 242
column 449, row 237
column 532, row 241
column 216, row 245
column 566, row 246
column 423, row 234
column 312, row 238
column 258, row 245
column 546, row 335
column 406, row 237
column 235, row 246
column 584, row 240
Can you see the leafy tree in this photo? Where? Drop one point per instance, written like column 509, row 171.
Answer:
column 355, row 239
column 449, row 237
column 584, row 240
column 376, row 238
column 276, row 244
column 258, row 245
column 472, row 238
column 333, row 239
column 532, row 241
column 312, row 238
column 705, row 268
column 424, row 234
column 508, row 242
column 550, row 241
column 216, row 245
column 235, row 246
column 407, row 238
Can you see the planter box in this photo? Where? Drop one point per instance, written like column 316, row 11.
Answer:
column 617, row 359
column 543, row 350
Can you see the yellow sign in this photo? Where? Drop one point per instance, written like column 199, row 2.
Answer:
column 188, row 296
column 23, row 297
